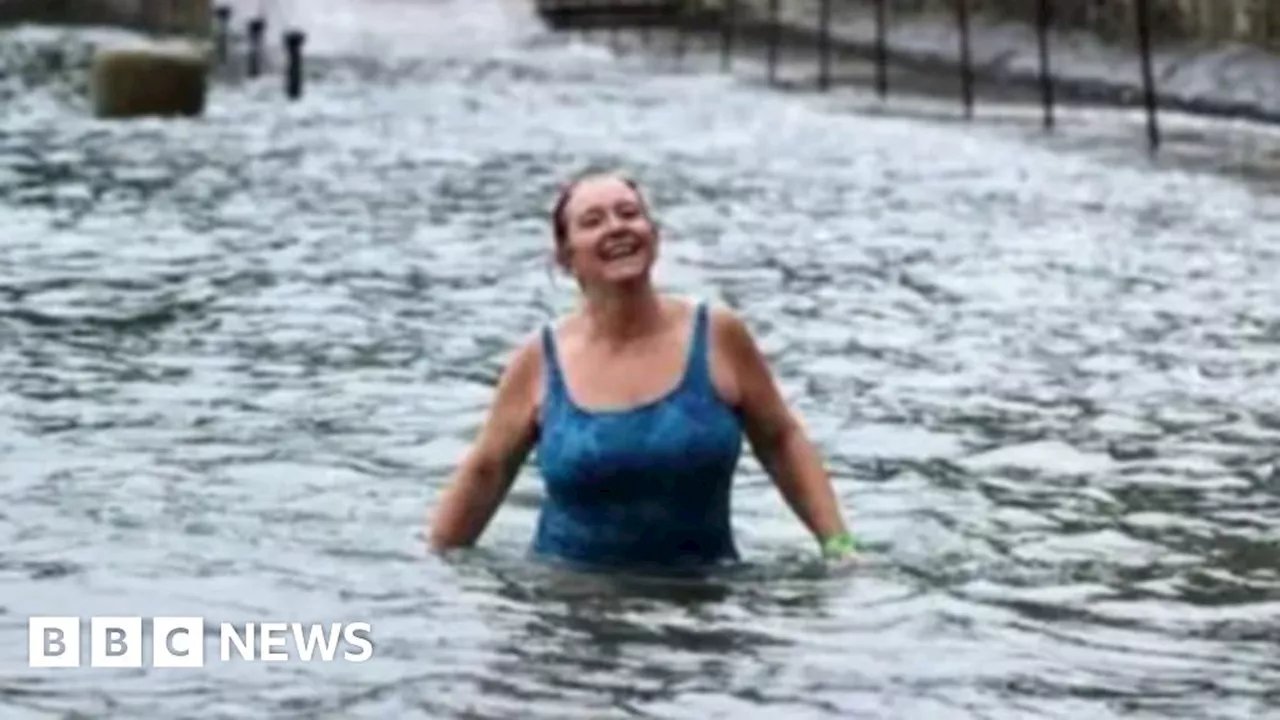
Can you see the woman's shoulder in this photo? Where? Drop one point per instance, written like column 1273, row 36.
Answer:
column 717, row 311
column 541, row 343
column 726, row 323
column 555, row 329
column 728, row 331
column 529, row 353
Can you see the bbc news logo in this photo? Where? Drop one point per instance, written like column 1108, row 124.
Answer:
column 179, row 642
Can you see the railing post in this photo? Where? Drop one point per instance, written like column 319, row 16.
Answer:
column 257, row 27
column 775, row 31
column 646, row 29
column 1148, row 76
column 222, row 31
column 615, row 30
column 1044, row 21
column 728, row 29
column 966, row 61
column 882, row 49
column 681, row 30
column 824, row 44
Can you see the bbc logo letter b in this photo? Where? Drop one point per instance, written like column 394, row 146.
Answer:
column 53, row 642
column 115, row 642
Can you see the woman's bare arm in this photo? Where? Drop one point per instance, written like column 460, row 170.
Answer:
column 777, row 438
column 486, row 472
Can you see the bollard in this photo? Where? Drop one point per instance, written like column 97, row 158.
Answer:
column 882, row 49
column 1044, row 20
column 257, row 27
column 775, row 31
column 728, row 28
column 966, row 61
column 824, row 44
column 293, row 42
column 1148, row 79
column 223, row 15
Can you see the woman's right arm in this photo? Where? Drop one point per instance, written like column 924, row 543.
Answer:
column 486, row 472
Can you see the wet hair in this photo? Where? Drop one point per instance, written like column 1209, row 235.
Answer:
column 560, row 223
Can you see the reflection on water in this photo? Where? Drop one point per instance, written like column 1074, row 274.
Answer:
column 241, row 355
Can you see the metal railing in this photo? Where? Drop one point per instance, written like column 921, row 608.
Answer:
column 774, row 24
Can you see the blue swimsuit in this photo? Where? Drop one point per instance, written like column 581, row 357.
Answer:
column 642, row 488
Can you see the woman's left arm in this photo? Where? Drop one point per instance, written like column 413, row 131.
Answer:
column 779, row 441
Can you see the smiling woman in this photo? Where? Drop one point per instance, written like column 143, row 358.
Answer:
column 638, row 404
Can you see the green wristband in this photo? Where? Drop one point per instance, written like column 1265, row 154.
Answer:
column 840, row 545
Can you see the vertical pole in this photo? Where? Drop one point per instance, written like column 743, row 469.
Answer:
column 257, row 26
column 615, row 30
column 1148, row 77
column 728, row 29
column 1044, row 20
column 223, row 15
column 882, row 49
column 966, row 61
column 824, row 44
column 682, row 31
column 646, row 20
column 775, row 30
column 293, row 42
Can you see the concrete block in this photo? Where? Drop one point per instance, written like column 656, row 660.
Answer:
column 149, row 81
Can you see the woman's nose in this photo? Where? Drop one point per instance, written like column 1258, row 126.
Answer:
column 612, row 221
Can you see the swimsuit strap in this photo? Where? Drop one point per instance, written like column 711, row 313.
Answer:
column 555, row 378
column 698, row 374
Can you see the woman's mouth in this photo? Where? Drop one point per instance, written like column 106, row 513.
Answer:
column 620, row 248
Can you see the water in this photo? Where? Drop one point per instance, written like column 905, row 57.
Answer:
column 242, row 354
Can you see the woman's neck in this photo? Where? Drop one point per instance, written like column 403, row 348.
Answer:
column 623, row 313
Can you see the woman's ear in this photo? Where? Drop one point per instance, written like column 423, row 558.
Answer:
column 562, row 259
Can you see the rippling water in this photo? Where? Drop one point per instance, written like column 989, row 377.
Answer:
column 240, row 356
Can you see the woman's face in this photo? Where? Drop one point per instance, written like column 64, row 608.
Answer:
column 609, row 238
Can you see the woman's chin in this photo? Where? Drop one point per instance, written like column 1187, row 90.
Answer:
column 627, row 273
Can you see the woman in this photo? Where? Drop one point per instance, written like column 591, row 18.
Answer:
column 638, row 404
